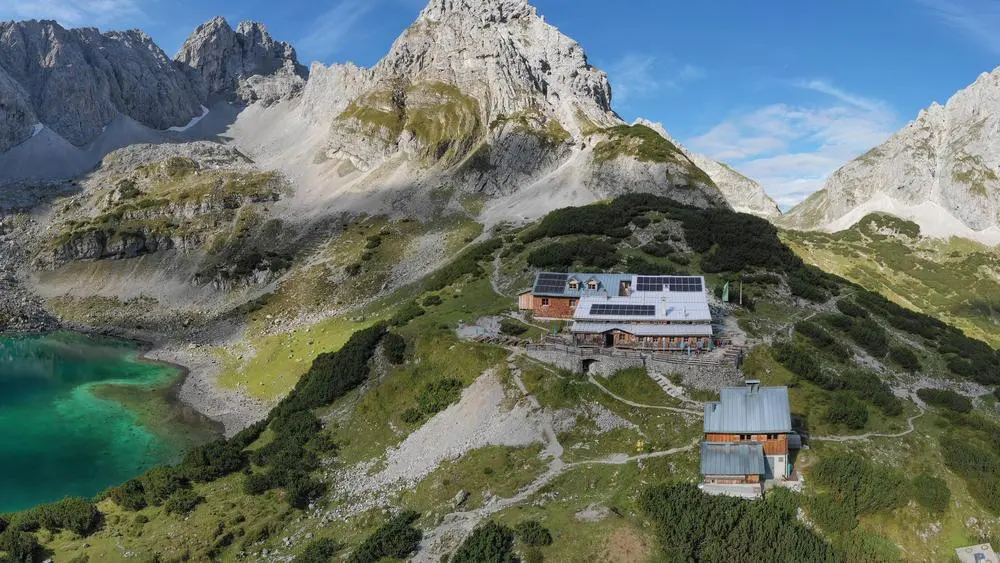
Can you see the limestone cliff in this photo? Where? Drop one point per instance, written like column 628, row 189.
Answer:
column 942, row 171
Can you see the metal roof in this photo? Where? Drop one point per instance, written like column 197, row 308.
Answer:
column 666, row 308
column 607, row 284
column 556, row 284
column 732, row 458
column 645, row 329
column 742, row 410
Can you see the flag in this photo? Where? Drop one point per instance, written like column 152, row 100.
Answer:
column 725, row 293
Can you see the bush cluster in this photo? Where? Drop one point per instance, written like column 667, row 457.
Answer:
column 319, row 550
column 467, row 263
column 182, row 502
column 867, row 385
column 852, row 309
column 803, row 363
column 636, row 263
column 586, row 252
column 855, row 482
column 290, row 457
column 395, row 348
column 822, row 339
column 931, row 493
column 658, row 249
column 945, row 398
column 19, row 546
column 831, row 515
column 489, row 543
column 848, row 411
column 978, row 464
column 692, row 526
column 533, row 534
column 406, row 313
column 966, row 356
column 905, row 357
column 72, row 513
column 396, row 539
column 438, row 395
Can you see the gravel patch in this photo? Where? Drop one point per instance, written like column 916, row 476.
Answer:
column 234, row 409
column 484, row 326
column 605, row 419
column 593, row 513
column 478, row 420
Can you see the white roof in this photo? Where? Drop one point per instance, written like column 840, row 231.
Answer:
column 667, row 306
column 645, row 329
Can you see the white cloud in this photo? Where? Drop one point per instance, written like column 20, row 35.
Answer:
column 636, row 76
column 72, row 13
column 792, row 149
column 332, row 29
column 977, row 19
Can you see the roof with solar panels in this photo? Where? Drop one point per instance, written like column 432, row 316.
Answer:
column 629, row 297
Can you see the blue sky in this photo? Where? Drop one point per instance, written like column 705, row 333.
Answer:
column 785, row 91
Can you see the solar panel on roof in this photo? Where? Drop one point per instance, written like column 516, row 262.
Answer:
column 685, row 284
column 551, row 283
column 622, row 310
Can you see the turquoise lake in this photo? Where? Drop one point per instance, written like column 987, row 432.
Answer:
column 80, row 413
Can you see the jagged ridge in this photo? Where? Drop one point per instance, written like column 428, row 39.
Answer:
column 942, row 170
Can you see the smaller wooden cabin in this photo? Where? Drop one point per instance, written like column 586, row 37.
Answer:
column 749, row 421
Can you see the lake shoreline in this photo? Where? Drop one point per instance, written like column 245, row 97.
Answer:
column 198, row 386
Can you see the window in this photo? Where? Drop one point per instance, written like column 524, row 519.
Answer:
column 573, row 284
column 572, row 302
column 545, row 302
column 744, row 436
column 772, row 436
column 592, row 285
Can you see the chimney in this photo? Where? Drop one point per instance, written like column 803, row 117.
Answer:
column 753, row 385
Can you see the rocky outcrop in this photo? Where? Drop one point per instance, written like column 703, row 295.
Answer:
column 152, row 198
column 245, row 63
column 486, row 96
column 76, row 81
column 17, row 119
column 942, row 171
column 742, row 193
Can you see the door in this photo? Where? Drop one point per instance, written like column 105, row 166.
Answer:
column 769, row 465
column 609, row 339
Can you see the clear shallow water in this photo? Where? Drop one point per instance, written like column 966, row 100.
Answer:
column 81, row 413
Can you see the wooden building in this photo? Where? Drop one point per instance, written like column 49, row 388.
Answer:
column 628, row 311
column 555, row 296
column 748, row 424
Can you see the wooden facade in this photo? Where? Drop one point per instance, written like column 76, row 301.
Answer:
column 774, row 444
column 553, row 307
column 622, row 339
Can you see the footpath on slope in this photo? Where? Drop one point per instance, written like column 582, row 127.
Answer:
column 456, row 526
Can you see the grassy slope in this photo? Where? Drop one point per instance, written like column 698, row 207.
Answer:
column 367, row 421
column 953, row 280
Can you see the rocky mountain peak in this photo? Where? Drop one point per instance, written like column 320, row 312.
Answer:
column 942, row 170
column 76, row 81
column 503, row 54
column 741, row 193
column 488, row 11
column 221, row 60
